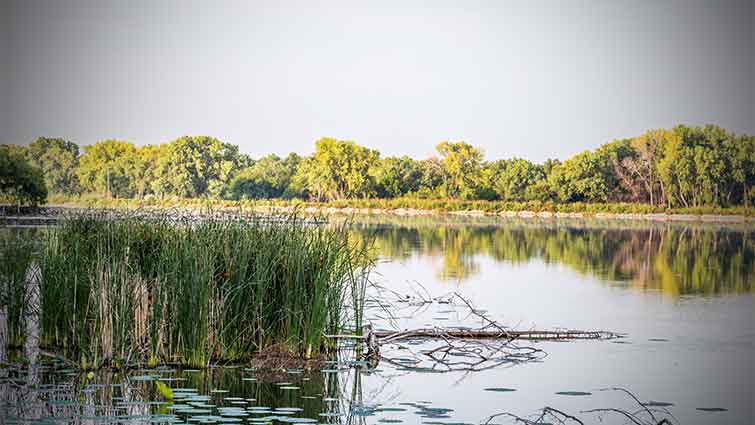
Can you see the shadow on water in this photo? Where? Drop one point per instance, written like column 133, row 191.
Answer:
column 678, row 259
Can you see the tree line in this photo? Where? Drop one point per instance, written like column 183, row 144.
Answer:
column 679, row 167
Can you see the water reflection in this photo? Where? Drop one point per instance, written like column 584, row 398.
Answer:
column 667, row 341
column 51, row 394
column 677, row 259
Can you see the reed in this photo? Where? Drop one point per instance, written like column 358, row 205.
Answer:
column 156, row 288
column 17, row 250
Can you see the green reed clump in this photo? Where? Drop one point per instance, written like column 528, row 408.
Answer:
column 159, row 289
column 17, row 249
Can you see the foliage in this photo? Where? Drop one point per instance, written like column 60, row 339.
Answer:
column 269, row 177
column 396, row 176
column 337, row 170
column 579, row 179
column 20, row 182
column 462, row 164
column 116, row 288
column 16, row 254
column 707, row 166
column 515, row 179
column 58, row 160
column 144, row 170
column 432, row 176
column 196, row 166
column 107, row 167
column 683, row 167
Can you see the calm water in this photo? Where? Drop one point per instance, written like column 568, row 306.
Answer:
column 682, row 294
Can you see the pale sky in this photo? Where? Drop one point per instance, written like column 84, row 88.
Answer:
column 534, row 79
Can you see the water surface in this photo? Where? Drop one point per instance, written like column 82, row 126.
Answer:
column 681, row 293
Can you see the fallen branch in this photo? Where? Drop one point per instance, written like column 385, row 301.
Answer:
column 537, row 335
column 455, row 348
column 644, row 416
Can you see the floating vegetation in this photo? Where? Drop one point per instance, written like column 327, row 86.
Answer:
column 500, row 390
column 120, row 289
column 652, row 403
column 573, row 393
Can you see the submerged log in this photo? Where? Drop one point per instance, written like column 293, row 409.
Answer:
column 373, row 339
column 538, row 335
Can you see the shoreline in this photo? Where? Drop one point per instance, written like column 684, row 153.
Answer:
column 52, row 210
column 414, row 212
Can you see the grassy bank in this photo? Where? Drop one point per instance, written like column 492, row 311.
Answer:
column 158, row 289
column 434, row 205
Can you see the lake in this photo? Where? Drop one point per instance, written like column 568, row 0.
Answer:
column 681, row 294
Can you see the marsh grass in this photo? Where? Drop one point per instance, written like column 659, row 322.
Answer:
column 126, row 288
column 17, row 250
column 439, row 205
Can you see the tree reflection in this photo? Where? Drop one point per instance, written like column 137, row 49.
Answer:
column 674, row 258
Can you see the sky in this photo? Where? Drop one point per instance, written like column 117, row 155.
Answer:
column 531, row 79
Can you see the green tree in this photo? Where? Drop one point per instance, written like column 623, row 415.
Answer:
column 194, row 166
column 742, row 156
column 642, row 164
column 396, row 177
column 58, row 159
column 580, row 179
column 513, row 178
column 144, row 169
column 108, row 167
column 17, row 151
column 549, row 165
column 431, row 178
column 608, row 156
column 20, row 182
column 462, row 164
column 337, row 170
column 704, row 166
column 269, row 177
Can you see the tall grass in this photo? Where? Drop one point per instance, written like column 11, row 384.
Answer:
column 17, row 250
column 156, row 289
column 412, row 202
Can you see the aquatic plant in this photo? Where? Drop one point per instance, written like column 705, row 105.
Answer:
column 126, row 287
column 16, row 254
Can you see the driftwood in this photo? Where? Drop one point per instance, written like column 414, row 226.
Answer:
column 536, row 335
column 456, row 348
column 643, row 415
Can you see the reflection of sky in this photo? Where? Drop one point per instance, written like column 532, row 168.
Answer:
column 705, row 363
